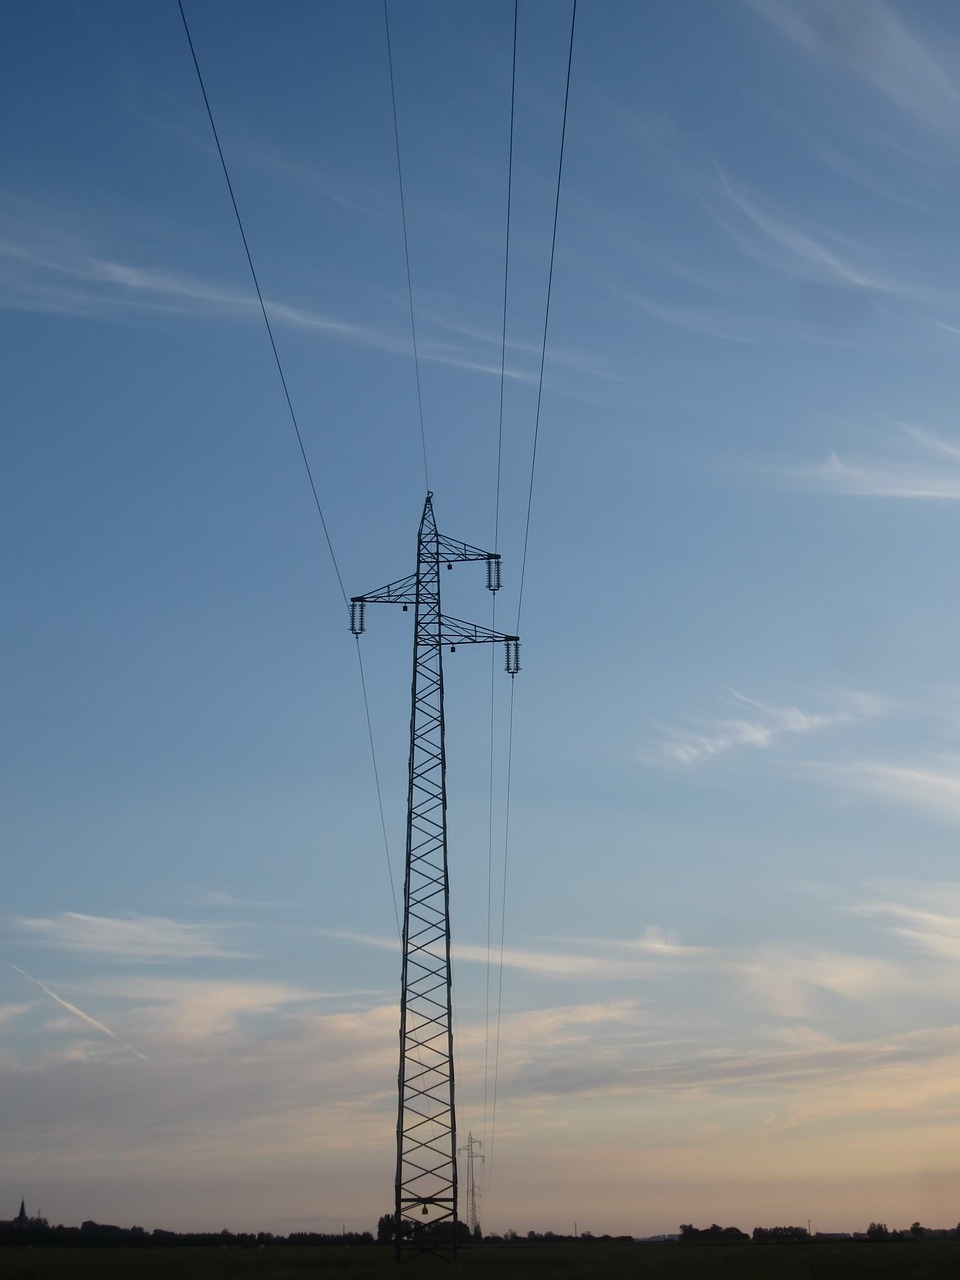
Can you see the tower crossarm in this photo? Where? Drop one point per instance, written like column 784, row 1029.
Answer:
column 403, row 591
column 451, row 549
column 456, row 631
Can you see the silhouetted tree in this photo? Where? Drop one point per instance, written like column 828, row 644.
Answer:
column 781, row 1234
column 714, row 1234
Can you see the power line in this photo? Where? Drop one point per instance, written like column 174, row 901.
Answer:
column 303, row 452
column 523, row 569
column 406, row 246
column 496, row 547
column 376, row 778
column 506, row 280
column 546, row 318
column 503, row 928
column 266, row 318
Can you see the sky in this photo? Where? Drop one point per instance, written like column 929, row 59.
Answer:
column 728, row 891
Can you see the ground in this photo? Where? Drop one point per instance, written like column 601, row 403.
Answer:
column 913, row 1260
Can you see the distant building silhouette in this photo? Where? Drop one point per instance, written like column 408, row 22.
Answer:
column 20, row 1222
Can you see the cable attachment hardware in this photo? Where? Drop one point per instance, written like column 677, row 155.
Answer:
column 493, row 573
column 511, row 653
column 358, row 609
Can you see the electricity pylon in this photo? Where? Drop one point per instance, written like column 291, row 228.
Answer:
column 472, row 1154
column 426, row 1179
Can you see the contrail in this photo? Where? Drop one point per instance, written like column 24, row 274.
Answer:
column 78, row 1013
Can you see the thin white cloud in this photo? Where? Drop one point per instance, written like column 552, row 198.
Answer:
column 45, row 270
column 131, row 937
column 850, row 270
column 785, row 980
column 789, row 979
column 197, row 897
column 181, row 1010
column 698, row 320
column 787, row 246
column 765, row 726
column 935, row 932
column 931, row 472
column 545, row 964
column 823, row 1062
column 870, row 40
column 931, row 791
column 10, row 1012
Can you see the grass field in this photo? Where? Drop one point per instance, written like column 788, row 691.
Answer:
column 913, row 1260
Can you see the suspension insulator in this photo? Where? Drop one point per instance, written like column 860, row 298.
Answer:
column 358, row 609
column 511, row 650
column 493, row 573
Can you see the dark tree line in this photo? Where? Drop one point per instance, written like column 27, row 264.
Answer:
column 101, row 1235
column 689, row 1234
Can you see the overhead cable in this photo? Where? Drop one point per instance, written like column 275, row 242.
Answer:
column 406, row 247
column 266, row 318
column 523, row 569
column 496, row 547
column 546, row 319
column 303, row 452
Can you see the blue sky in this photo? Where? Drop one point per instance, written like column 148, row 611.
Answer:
column 732, row 907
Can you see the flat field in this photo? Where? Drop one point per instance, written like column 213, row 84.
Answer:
column 912, row 1260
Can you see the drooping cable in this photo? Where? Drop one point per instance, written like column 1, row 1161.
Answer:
column 506, row 282
column 406, row 246
column 496, row 547
column 296, row 428
column 376, row 778
column 266, row 317
column 546, row 321
column 523, row 570
column 489, row 1149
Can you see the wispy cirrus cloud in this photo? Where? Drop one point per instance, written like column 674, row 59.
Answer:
column 933, row 790
column 193, row 1009
column 917, row 74
column 838, row 275
column 48, row 271
column 936, row 932
column 785, row 244
column 930, row 471
column 785, row 981
column 43, row 269
column 130, row 937
column 10, row 1012
column 706, row 322
column 760, row 725
column 198, row 897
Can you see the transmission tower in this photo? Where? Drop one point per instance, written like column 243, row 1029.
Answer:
column 426, row 1178
column 472, row 1154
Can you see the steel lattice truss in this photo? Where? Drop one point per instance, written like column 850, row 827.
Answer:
column 426, row 1179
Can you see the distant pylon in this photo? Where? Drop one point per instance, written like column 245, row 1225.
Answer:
column 426, row 1177
column 472, row 1154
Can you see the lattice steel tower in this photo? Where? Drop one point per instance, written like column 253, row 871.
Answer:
column 472, row 1150
column 426, row 1179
